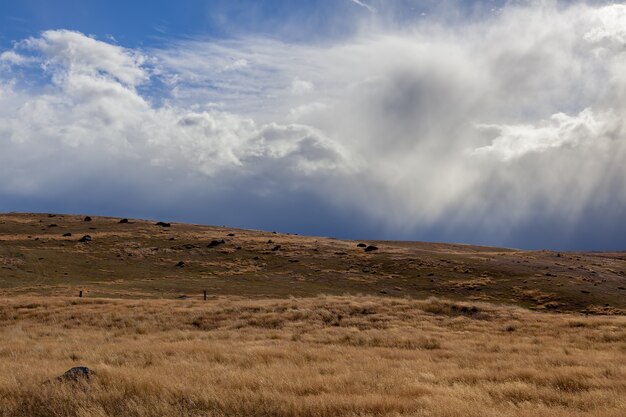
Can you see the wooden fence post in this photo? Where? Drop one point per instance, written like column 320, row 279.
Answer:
column 204, row 295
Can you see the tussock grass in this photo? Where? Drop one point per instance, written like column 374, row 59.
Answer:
column 308, row 357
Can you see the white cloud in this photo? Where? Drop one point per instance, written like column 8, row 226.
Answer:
column 364, row 5
column 488, row 124
column 301, row 86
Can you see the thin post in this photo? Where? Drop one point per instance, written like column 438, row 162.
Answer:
column 80, row 294
column 204, row 295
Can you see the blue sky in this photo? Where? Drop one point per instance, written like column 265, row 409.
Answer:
column 484, row 122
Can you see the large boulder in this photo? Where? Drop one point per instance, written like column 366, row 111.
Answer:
column 77, row 374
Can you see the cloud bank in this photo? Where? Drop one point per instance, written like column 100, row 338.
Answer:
column 505, row 130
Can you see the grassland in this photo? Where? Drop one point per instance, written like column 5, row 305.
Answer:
column 321, row 356
column 139, row 260
column 301, row 326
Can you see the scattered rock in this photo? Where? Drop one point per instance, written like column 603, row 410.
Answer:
column 181, row 264
column 76, row 374
column 371, row 248
column 163, row 224
column 123, row 221
column 383, row 292
column 585, row 292
column 275, row 248
column 215, row 243
column 85, row 238
column 52, row 225
column 87, row 219
column 52, row 215
column 67, row 235
column 231, row 234
column 361, row 245
column 270, row 241
column 256, row 258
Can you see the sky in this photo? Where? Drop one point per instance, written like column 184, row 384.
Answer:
column 486, row 122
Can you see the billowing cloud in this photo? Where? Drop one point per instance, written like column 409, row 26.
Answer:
column 470, row 131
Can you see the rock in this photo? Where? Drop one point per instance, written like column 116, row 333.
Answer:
column 215, row 243
column 76, row 374
column 231, row 234
column 270, row 241
column 123, row 221
column 180, row 264
column 361, row 245
column 52, row 225
column 87, row 219
column 275, row 248
column 371, row 248
column 67, row 234
column 85, row 238
column 163, row 224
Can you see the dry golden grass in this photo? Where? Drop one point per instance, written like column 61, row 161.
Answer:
column 321, row 356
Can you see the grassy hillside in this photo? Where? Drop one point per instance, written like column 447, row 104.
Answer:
column 140, row 259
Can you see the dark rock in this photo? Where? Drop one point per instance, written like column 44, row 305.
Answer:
column 238, row 248
column 87, row 219
column 256, row 258
column 123, row 221
column 163, row 224
column 231, row 234
column 52, row 215
column 275, row 248
column 85, row 238
column 371, row 248
column 361, row 245
column 52, row 225
column 215, row 243
column 270, row 241
column 180, row 264
column 67, row 234
column 77, row 374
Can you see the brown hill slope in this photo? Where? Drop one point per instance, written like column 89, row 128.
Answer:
column 141, row 259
